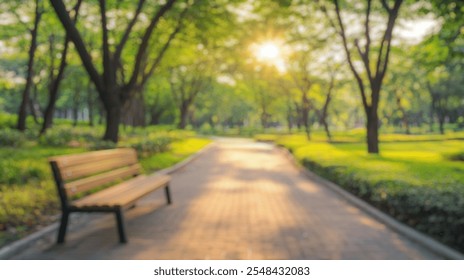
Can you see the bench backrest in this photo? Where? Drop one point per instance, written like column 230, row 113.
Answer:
column 82, row 172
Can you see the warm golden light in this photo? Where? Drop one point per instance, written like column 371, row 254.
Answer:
column 270, row 52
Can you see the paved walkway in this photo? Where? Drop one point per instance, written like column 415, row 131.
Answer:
column 239, row 200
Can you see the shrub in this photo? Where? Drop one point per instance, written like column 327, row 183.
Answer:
column 57, row 137
column 102, row 145
column 152, row 145
column 412, row 181
column 437, row 212
column 7, row 121
column 11, row 138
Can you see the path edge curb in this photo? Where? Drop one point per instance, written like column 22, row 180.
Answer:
column 15, row 247
column 403, row 229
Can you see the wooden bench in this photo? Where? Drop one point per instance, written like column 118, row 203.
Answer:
column 118, row 168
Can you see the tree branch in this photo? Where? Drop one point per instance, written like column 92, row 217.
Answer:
column 385, row 45
column 76, row 38
column 125, row 36
column 56, row 80
column 105, row 44
column 348, row 56
column 163, row 50
column 385, row 6
column 365, row 58
column 141, row 53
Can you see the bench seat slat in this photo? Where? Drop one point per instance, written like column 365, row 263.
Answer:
column 96, row 166
column 78, row 159
column 123, row 194
column 89, row 183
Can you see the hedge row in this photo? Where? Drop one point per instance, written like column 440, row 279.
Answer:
column 436, row 212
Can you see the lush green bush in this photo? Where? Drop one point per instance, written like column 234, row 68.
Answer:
column 64, row 135
column 7, row 121
column 102, row 145
column 57, row 136
column 152, row 145
column 11, row 138
column 413, row 182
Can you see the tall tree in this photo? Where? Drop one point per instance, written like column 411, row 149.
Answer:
column 323, row 112
column 303, row 83
column 113, row 87
column 56, row 78
column 187, row 81
column 22, row 112
column 374, row 62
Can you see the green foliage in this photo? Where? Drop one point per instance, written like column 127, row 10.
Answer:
column 11, row 138
column 102, row 145
column 7, row 121
column 57, row 137
column 63, row 135
column 411, row 181
column 28, row 195
column 152, row 145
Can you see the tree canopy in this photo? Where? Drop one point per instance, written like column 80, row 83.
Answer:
column 222, row 65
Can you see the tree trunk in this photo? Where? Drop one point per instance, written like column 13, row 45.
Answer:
column 325, row 108
column 183, row 116
column 90, row 103
column 264, row 120
column 155, row 116
column 299, row 122
column 75, row 111
column 441, row 123
column 326, row 128
column 22, row 113
column 56, row 80
column 289, row 120
column 113, row 118
column 404, row 117
column 33, row 105
column 134, row 110
column 372, row 132
column 305, row 119
column 305, row 115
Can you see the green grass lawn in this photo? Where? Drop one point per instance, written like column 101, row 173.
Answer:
column 27, row 193
column 179, row 151
column 28, row 196
column 415, row 181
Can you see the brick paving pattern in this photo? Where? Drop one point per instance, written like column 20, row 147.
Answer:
column 239, row 200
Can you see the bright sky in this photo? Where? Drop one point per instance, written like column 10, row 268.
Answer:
column 415, row 30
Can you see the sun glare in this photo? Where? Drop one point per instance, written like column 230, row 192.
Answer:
column 270, row 52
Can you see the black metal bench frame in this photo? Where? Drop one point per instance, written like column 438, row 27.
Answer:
column 67, row 208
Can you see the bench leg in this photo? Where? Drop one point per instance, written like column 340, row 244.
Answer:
column 120, row 222
column 63, row 226
column 168, row 194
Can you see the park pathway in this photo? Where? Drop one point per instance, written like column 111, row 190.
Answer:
column 238, row 200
